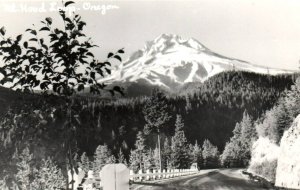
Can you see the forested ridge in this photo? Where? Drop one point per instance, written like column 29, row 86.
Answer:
column 218, row 104
column 210, row 112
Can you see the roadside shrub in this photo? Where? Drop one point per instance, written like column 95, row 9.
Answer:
column 264, row 159
column 265, row 169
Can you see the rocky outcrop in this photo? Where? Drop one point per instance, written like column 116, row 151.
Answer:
column 288, row 166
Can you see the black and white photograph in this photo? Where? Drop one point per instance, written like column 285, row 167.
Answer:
column 149, row 94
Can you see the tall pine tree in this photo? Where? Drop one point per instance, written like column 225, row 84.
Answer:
column 248, row 136
column 137, row 156
column 237, row 151
column 48, row 176
column 196, row 154
column 102, row 157
column 84, row 163
column 156, row 116
column 121, row 158
column 210, row 155
column 180, row 150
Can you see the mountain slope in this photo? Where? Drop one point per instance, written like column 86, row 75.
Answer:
column 171, row 61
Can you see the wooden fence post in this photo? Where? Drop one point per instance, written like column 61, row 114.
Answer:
column 154, row 176
column 164, row 174
column 131, row 173
column 148, row 176
column 140, row 172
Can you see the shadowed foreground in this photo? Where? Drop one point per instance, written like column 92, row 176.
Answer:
column 223, row 179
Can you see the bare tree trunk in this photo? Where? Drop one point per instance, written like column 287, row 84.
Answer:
column 159, row 153
column 69, row 146
column 141, row 160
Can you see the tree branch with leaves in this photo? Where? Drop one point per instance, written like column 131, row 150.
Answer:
column 62, row 63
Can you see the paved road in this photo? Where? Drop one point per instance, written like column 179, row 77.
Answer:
column 220, row 179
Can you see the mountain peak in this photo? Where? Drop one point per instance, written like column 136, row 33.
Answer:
column 171, row 61
column 168, row 42
column 166, row 37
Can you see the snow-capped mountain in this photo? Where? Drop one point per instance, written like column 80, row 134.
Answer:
column 170, row 61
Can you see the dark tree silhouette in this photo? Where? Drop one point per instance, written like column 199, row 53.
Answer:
column 156, row 115
column 61, row 63
column 138, row 155
column 180, row 156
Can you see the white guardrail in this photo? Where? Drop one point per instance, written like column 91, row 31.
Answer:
column 94, row 181
column 156, row 175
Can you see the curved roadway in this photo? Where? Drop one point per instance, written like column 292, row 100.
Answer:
column 219, row 179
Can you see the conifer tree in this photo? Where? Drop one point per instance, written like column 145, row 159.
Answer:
column 248, row 136
column 237, row 151
column 121, row 158
column 232, row 154
column 84, row 163
column 283, row 119
column 210, row 155
column 48, row 176
column 180, row 150
column 292, row 101
column 149, row 160
column 196, row 154
column 135, row 161
column 102, row 157
column 156, row 116
column 137, row 156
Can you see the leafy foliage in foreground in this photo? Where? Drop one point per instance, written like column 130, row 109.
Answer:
column 62, row 63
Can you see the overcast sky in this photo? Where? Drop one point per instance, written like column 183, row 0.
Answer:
column 263, row 32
